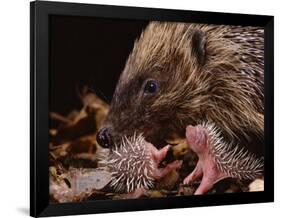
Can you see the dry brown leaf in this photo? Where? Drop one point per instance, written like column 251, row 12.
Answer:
column 169, row 181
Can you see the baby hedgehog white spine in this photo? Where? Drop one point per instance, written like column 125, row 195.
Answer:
column 231, row 159
column 130, row 165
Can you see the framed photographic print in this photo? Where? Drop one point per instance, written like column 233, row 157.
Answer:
column 139, row 108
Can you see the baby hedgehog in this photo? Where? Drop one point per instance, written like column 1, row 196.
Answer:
column 218, row 160
column 134, row 164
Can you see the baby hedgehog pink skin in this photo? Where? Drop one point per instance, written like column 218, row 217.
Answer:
column 218, row 160
column 206, row 166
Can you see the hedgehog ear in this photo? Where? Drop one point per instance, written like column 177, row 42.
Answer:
column 198, row 44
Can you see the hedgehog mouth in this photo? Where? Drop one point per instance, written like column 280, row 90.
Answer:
column 158, row 142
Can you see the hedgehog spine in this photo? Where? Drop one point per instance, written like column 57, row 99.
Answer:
column 236, row 162
column 130, row 165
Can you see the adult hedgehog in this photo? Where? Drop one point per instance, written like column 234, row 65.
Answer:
column 182, row 74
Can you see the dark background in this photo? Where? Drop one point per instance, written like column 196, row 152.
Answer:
column 87, row 51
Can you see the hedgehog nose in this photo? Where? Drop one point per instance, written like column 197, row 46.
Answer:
column 104, row 137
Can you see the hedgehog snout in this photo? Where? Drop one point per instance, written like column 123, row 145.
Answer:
column 104, row 137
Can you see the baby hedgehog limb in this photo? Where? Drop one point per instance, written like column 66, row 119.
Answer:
column 134, row 164
column 218, row 160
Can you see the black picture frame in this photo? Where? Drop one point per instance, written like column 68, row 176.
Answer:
column 39, row 66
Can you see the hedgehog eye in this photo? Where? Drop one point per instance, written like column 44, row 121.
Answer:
column 151, row 87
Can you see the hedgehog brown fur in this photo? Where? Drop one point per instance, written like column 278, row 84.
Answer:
column 205, row 73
